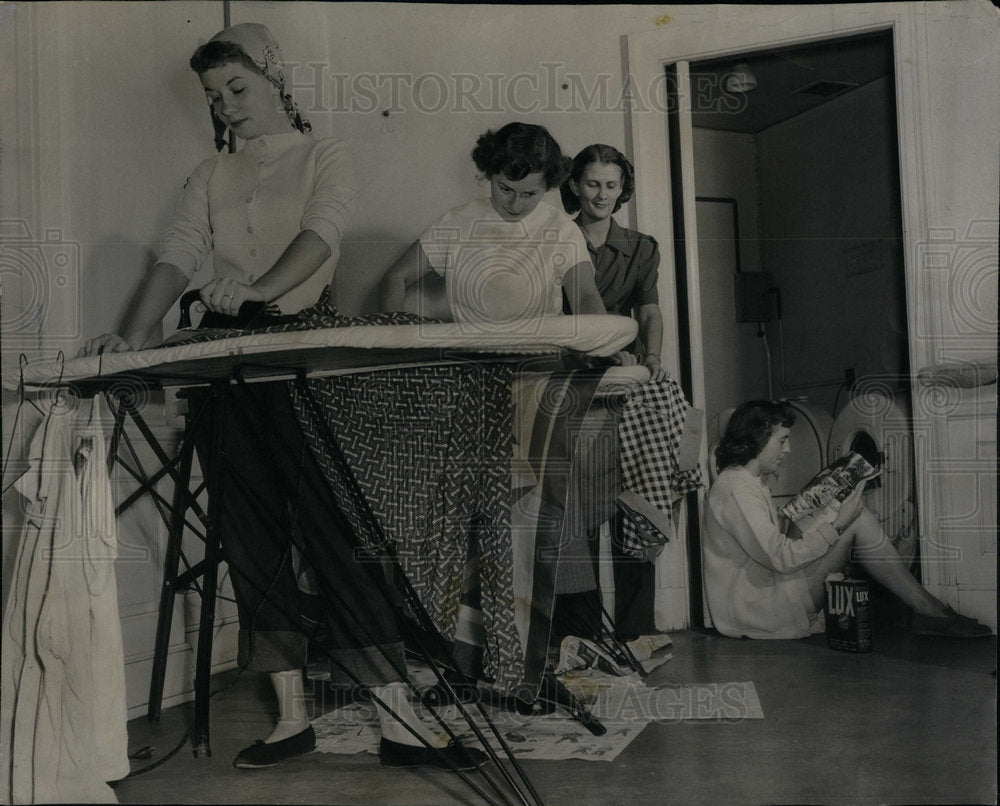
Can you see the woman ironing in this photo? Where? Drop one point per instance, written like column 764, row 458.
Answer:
column 272, row 216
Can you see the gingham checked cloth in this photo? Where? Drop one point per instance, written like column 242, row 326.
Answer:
column 650, row 432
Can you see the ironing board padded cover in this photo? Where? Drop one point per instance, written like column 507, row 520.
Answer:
column 338, row 349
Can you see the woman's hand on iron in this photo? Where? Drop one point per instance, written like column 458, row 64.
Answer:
column 850, row 508
column 624, row 359
column 105, row 343
column 226, row 295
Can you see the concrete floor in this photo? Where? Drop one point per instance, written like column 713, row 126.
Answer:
column 912, row 723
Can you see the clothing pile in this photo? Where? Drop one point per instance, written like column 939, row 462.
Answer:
column 660, row 435
column 63, row 722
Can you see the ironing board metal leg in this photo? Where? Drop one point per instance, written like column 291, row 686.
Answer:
column 169, row 587
column 203, row 668
column 116, row 433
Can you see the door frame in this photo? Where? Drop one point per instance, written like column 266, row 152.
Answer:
column 650, row 53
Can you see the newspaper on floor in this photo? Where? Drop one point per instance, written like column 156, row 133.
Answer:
column 623, row 704
column 582, row 653
column 552, row 737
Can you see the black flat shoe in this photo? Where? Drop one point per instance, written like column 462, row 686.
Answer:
column 394, row 754
column 952, row 625
column 267, row 754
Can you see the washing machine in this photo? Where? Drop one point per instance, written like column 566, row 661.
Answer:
column 809, row 438
column 877, row 423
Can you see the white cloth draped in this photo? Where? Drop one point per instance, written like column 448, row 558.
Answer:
column 63, row 715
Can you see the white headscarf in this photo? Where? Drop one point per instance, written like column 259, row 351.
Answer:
column 260, row 46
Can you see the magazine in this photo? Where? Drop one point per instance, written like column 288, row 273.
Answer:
column 833, row 483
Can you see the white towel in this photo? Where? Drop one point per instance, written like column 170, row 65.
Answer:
column 63, row 716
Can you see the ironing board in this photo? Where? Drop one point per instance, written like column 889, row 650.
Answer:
column 279, row 356
column 329, row 351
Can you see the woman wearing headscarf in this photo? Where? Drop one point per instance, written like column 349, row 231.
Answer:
column 271, row 216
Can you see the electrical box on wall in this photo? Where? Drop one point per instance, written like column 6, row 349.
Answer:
column 753, row 296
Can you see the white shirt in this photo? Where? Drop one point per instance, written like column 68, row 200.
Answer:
column 246, row 208
column 754, row 579
column 497, row 271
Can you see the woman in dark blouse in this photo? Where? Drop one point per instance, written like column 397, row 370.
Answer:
column 627, row 262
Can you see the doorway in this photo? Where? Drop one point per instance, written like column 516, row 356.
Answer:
column 946, row 195
column 802, row 286
column 809, row 176
column 798, row 146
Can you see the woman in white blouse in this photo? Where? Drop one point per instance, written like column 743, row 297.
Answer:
column 763, row 581
column 491, row 262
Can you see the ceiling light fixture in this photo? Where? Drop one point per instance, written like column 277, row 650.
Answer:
column 741, row 79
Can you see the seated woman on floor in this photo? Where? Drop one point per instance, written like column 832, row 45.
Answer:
column 494, row 261
column 763, row 581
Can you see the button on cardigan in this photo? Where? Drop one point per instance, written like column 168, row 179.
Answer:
column 246, row 208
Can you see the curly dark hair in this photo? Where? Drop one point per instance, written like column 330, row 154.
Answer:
column 519, row 149
column 598, row 152
column 219, row 52
column 749, row 429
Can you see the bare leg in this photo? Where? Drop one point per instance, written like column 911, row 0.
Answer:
column 830, row 563
column 393, row 728
column 292, row 717
column 875, row 552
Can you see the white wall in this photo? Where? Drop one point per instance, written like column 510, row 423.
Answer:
column 960, row 247
column 126, row 127
column 959, row 258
